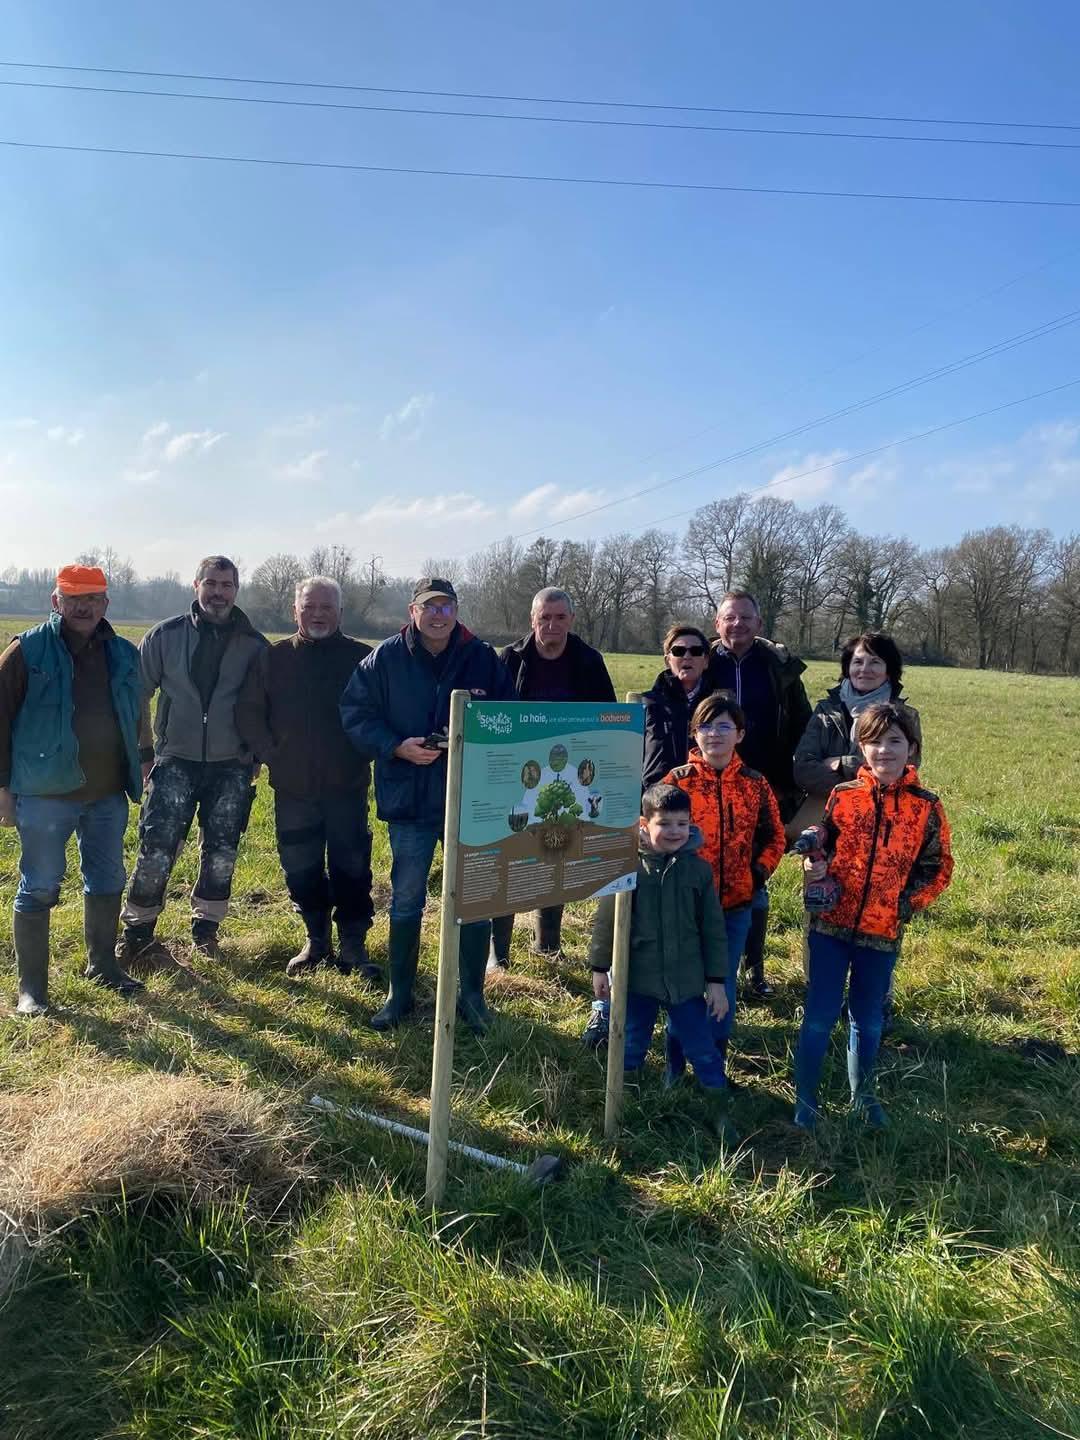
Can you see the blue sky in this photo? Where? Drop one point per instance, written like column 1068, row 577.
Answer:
column 201, row 357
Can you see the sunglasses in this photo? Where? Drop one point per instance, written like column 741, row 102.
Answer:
column 680, row 650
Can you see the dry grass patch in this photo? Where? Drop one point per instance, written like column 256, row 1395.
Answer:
column 79, row 1146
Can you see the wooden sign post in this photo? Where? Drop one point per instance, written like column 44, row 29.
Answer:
column 620, row 981
column 442, row 1064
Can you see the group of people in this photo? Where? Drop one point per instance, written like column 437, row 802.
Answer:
column 735, row 766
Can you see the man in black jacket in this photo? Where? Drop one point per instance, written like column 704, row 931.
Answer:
column 198, row 661
column 550, row 663
column 393, row 710
column 767, row 682
column 288, row 715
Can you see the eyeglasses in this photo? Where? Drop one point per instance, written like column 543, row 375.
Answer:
column 435, row 607
column 680, row 650
column 723, row 728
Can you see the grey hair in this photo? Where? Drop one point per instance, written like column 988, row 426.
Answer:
column 325, row 582
column 550, row 595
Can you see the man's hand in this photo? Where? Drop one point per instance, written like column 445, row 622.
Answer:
column 815, row 869
column 601, row 985
column 716, row 999
column 7, row 807
column 413, row 750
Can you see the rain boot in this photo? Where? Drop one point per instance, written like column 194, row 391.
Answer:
column 502, row 929
column 316, row 949
column 676, row 1059
column 101, row 916
column 547, row 932
column 352, row 956
column 31, row 932
column 472, row 963
column 864, row 1102
column 757, row 987
column 404, row 957
column 718, row 1108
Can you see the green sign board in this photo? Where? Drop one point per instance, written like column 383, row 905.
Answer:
column 550, row 798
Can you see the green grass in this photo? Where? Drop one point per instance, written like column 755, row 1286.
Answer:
column 923, row 1282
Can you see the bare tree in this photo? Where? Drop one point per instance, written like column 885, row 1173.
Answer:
column 273, row 587
column 819, row 534
column 768, row 556
column 711, row 547
column 1064, row 593
column 656, row 552
column 336, row 561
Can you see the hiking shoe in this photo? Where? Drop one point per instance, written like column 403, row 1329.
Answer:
column 595, row 1034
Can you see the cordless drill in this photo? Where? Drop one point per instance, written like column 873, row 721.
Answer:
column 818, row 895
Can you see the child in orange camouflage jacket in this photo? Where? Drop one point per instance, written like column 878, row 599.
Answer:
column 888, row 848
column 743, row 838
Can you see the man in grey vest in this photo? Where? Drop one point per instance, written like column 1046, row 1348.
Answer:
column 72, row 721
column 198, row 661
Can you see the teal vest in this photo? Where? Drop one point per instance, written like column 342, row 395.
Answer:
column 44, row 750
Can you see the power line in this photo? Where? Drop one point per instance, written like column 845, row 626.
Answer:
column 880, row 449
column 1001, row 347
column 540, row 99
column 580, row 120
column 610, row 182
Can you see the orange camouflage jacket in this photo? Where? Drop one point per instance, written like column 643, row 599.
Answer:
column 737, row 814
column 889, row 849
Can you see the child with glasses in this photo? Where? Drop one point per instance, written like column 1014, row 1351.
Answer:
column 743, row 838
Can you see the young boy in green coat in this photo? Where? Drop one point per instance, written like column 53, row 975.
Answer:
column 678, row 942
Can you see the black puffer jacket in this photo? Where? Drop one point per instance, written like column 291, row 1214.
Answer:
column 588, row 673
column 667, row 725
column 826, row 754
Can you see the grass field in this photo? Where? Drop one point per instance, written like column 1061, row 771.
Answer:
column 925, row 1281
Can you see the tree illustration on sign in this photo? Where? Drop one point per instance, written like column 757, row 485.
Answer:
column 558, row 812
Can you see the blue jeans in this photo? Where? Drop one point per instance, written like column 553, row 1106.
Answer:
column 46, row 824
column 412, row 849
column 688, row 1024
column 867, row 973
column 737, row 925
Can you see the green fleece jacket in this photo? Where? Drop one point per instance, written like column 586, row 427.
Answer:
column 678, row 940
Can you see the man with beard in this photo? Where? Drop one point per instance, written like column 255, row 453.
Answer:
column 288, row 715
column 198, row 661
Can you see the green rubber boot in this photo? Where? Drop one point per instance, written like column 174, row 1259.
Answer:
column 31, row 932
column 404, row 956
column 472, row 966
column 101, row 917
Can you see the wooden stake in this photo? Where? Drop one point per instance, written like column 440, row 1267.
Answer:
column 620, row 978
column 442, row 1063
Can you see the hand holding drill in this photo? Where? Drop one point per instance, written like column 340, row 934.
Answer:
column 820, row 890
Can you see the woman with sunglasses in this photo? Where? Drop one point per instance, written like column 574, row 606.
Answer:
column 669, row 704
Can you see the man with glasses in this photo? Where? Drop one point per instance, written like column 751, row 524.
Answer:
column 73, row 727
column 550, row 663
column 766, row 681
column 395, row 710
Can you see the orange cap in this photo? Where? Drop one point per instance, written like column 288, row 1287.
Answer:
column 81, row 580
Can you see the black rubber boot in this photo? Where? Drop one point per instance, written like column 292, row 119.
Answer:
column 472, row 964
column 403, row 959
column 502, row 929
column 352, row 954
column 316, row 949
column 676, row 1060
column 31, row 932
column 204, row 939
column 756, row 986
column 547, row 932
column 101, row 916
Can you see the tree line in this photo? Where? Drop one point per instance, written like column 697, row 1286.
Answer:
column 1004, row 597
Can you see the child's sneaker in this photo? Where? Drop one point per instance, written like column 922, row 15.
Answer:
column 596, row 1031
column 806, row 1115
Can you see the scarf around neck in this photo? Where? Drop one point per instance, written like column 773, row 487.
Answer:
column 856, row 701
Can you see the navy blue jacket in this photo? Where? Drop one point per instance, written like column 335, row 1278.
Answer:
column 400, row 690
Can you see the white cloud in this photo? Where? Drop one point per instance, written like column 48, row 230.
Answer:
column 548, row 502
column 806, row 478
column 157, row 431
column 134, row 476
column 293, row 429
column 308, row 467
column 409, row 419
column 65, row 436
column 191, row 440
column 424, row 511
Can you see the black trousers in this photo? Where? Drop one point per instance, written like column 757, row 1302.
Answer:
column 176, row 790
column 324, row 846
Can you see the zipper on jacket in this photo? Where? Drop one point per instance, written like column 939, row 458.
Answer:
column 723, row 847
column 869, row 867
column 205, row 725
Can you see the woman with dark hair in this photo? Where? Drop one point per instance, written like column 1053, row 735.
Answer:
column 670, row 702
column 870, row 669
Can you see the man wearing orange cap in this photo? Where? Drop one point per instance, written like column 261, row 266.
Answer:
column 72, row 724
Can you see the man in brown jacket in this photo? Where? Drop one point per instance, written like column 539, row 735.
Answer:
column 288, row 715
